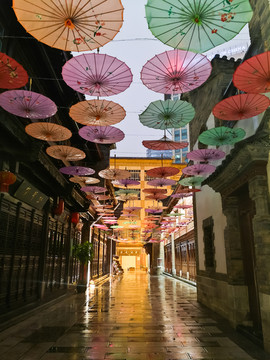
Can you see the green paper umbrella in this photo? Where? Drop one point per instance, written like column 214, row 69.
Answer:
column 126, row 192
column 197, row 25
column 175, row 214
column 192, row 181
column 221, row 136
column 167, row 114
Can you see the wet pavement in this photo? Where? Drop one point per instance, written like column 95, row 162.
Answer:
column 133, row 317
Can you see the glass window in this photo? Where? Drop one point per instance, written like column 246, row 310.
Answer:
column 184, row 134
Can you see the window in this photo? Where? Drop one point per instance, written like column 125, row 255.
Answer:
column 184, row 134
column 177, row 135
column 208, row 239
column 135, row 175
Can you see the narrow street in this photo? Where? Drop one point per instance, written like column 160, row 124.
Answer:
column 136, row 317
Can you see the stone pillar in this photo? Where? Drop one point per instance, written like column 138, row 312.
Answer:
column 154, row 257
column 173, row 254
column 161, row 258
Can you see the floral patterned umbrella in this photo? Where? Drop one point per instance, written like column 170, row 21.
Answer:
column 162, row 172
column 71, row 25
column 164, row 144
column 206, row 155
column 114, row 174
column 12, row 74
column 221, row 136
column 197, row 25
column 86, row 180
column 101, row 134
column 97, row 112
column 27, row 104
column 199, row 169
column 77, row 170
column 242, row 106
column 66, row 153
column 175, row 72
column 97, row 74
column 48, row 131
column 161, row 182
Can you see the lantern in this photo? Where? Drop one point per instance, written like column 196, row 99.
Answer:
column 6, row 178
column 59, row 209
column 75, row 217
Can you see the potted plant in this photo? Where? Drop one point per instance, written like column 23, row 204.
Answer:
column 83, row 252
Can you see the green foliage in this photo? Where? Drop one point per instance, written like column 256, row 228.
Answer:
column 83, row 252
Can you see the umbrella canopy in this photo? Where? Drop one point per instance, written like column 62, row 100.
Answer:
column 97, row 112
column 221, row 136
column 101, row 134
column 94, row 189
column 114, row 174
column 48, row 131
column 175, row 72
column 64, row 152
column 199, row 169
column 156, row 196
column 162, row 172
column 12, row 74
column 167, row 114
column 126, row 192
column 253, row 75
column 71, row 25
column 100, row 226
column 183, row 206
column 192, row 181
column 77, row 170
column 154, row 191
column 206, row 155
column 161, row 182
column 197, row 25
column 86, row 180
column 242, row 106
column 132, row 208
column 185, row 192
column 126, row 182
column 164, row 144
column 27, row 104
column 102, row 197
column 97, row 74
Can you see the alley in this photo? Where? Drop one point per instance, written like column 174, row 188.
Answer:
column 134, row 317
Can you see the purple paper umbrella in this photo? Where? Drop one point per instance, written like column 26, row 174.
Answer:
column 97, row 74
column 27, row 104
column 154, row 211
column 93, row 189
column 101, row 134
column 125, row 182
column 206, row 155
column 161, row 182
column 77, row 170
column 199, row 169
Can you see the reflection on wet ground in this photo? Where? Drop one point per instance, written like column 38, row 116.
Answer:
column 133, row 317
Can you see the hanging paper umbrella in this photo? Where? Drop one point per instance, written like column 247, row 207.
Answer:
column 175, row 72
column 183, row 206
column 167, row 114
column 12, row 74
column 132, row 208
column 192, row 181
column 125, row 182
column 163, row 171
column 100, row 226
column 164, row 144
column 64, row 152
column 221, row 136
column 48, row 131
column 86, row 180
column 154, row 191
column 77, row 170
column 125, row 197
column 199, row 169
column 253, row 75
column 156, row 196
column 97, row 112
column 71, row 26
column 242, row 106
column 101, row 197
column 114, row 174
column 206, row 155
column 101, row 134
column 161, row 182
column 97, row 74
column 126, row 192
column 184, row 193
column 197, row 26
column 27, row 104
column 94, row 189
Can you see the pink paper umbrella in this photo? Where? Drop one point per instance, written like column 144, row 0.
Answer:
column 199, row 169
column 206, row 155
column 27, row 104
column 97, row 74
column 94, row 189
column 161, row 182
column 77, row 170
column 101, row 134
column 176, row 72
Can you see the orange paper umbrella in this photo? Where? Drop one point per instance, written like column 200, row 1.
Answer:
column 154, row 191
column 156, row 196
column 242, row 106
column 12, row 74
column 114, row 174
column 97, row 112
column 71, row 25
column 162, row 171
column 86, row 180
column 63, row 152
column 48, row 131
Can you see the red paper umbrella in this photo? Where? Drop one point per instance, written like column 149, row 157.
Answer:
column 199, row 169
column 97, row 74
column 164, row 144
column 97, row 112
column 48, row 131
column 154, row 191
column 125, row 182
column 12, row 74
column 206, row 155
column 183, row 206
column 176, row 72
column 64, row 152
column 101, row 197
column 114, row 174
column 242, row 106
column 27, row 104
column 101, row 134
column 253, row 75
column 77, row 170
column 161, row 182
column 86, row 180
column 94, row 189
column 163, row 171
column 156, row 197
